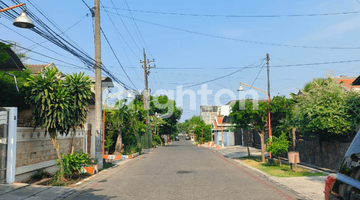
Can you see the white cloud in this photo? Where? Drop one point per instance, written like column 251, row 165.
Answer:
column 336, row 29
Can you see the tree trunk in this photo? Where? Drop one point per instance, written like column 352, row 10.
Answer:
column 118, row 143
column 293, row 133
column 262, row 135
column 248, row 149
column 279, row 160
column 72, row 140
column 57, row 148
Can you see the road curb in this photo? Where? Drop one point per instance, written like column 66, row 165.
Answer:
column 267, row 176
column 78, row 191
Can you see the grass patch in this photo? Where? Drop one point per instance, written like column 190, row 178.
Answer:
column 107, row 165
column 276, row 170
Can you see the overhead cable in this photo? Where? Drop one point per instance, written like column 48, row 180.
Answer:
column 240, row 16
column 241, row 40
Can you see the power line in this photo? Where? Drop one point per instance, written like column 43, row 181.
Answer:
column 232, row 73
column 241, row 40
column 241, row 16
column 116, row 57
column 137, row 28
column 257, row 75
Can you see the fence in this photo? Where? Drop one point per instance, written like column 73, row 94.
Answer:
column 146, row 140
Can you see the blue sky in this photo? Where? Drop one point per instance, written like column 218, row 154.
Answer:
column 176, row 52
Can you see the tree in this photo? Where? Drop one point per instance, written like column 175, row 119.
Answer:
column 324, row 109
column 282, row 112
column 278, row 145
column 10, row 97
column 251, row 118
column 3, row 54
column 202, row 128
column 50, row 102
column 79, row 90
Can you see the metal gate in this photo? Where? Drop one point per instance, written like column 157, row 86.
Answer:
column 4, row 121
column 8, row 131
column 238, row 137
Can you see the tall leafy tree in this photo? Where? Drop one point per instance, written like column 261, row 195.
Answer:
column 323, row 109
column 50, row 102
column 282, row 112
column 3, row 55
column 79, row 90
column 251, row 118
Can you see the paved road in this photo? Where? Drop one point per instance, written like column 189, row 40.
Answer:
column 183, row 171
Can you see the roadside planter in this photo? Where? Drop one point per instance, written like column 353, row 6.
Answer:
column 112, row 157
column 130, row 156
column 91, row 169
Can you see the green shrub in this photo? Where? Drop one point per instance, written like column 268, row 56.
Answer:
column 157, row 141
column 72, row 163
column 278, row 145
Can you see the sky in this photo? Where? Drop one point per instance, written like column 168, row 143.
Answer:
column 193, row 42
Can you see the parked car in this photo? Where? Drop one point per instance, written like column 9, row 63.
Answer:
column 187, row 138
column 345, row 185
column 177, row 138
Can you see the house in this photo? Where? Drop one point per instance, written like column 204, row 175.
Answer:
column 221, row 130
column 207, row 113
column 349, row 82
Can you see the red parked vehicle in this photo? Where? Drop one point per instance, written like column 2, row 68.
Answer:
column 345, row 185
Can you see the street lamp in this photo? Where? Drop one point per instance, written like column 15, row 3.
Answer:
column 23, row 21
column 269, row 120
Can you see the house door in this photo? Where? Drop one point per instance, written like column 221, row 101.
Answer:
column 3, row 143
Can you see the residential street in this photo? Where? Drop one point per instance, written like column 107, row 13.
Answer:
column 182, row 171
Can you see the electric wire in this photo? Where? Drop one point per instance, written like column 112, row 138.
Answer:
column 258, row 74
column 108, row 42
column 221, row 77
column 241, row 40
column 137, row 28
column 241, row 16
column 62, row 32
column 45, row 31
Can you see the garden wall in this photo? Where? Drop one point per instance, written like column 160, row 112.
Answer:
column 328, row 155
column 35, row 151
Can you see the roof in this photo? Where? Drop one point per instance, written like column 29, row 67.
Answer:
column 13, row 63
column 36, row 68
column 209, row 108
column 105, row 81
column 216, row 127
column 347, row 82
column 219, row 122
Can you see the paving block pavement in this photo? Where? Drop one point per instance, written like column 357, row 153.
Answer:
column 310, row 187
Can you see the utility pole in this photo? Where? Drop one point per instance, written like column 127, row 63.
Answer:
column 268, row 83
column 98, row 91
column 268, row 73
column 146, row 96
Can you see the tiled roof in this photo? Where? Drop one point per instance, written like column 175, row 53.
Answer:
column 35, row 68
column 215, row 125
column 347, row 82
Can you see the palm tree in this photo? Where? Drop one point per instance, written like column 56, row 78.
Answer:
column 51, row 105
column 79, row 87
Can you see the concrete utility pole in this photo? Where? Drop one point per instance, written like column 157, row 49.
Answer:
column 98, row 91
column 268, row 72
column 146, row 96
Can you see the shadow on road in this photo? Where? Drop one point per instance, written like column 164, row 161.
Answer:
column 90, row 194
